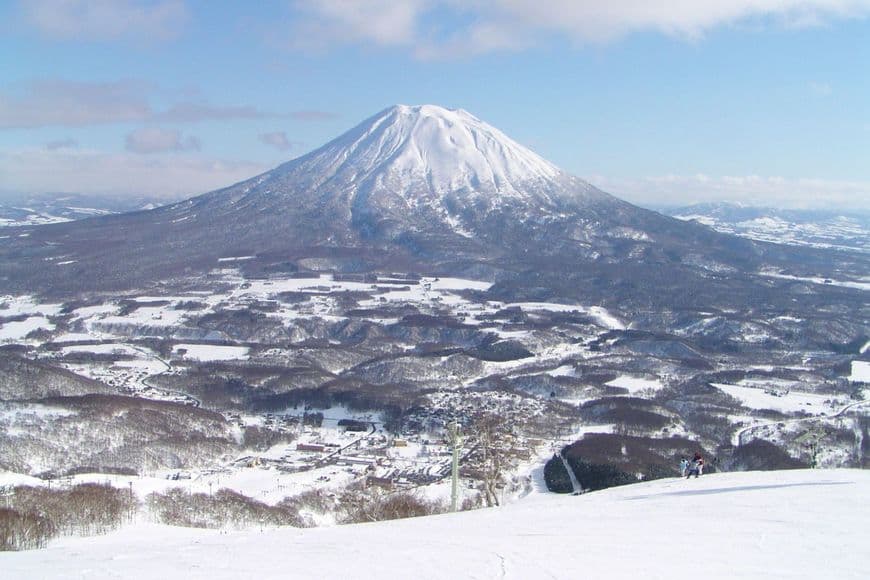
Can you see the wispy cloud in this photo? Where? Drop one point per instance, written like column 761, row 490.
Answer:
column 195, row 112
column 312, row 115
column 90, row 20
column 62, row 144
column 65, row 103
column 480, row 26
column 74, row 104
column 774, row 191
column 96, row 172
column 278, row 140
column 156, row 140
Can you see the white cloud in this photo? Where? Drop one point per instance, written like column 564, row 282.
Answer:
column 276, row 139
column 89, row 20
column 157, row 140
column 596, row 21
column 774, row 191
column 381, row 22
column 455, row 28
column 96, row 172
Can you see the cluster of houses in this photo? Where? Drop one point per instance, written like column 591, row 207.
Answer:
column 421, row 456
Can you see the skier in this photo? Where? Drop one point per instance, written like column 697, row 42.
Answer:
column 684, row 467
column 697, row 466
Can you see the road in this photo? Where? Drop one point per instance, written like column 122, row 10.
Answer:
column 328, row 459
column 189, row 400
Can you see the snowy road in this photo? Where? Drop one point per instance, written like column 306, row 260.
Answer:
column 189, row 400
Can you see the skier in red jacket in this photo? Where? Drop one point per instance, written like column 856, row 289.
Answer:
column 697, row 466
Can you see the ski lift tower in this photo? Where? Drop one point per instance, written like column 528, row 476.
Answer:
column 453, row 430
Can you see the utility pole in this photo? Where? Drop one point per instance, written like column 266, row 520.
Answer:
column 456, row 443
column 132, row 503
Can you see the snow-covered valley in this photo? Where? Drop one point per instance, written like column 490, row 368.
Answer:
column 275, row 371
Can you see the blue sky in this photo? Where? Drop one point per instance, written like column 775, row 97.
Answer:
column 761, row 101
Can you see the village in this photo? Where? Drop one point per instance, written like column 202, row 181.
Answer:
column 334, row 448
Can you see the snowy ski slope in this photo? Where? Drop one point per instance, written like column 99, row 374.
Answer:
column 786, row 524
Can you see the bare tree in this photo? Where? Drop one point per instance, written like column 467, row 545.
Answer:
column 493, row 436
column 374, row 505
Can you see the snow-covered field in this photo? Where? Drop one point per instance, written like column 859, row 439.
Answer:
column 864, row 284
column 19, row 329
column 209, row 352
column 860, row 371
column 786, row 402
column 636, row 385
column 778, row 524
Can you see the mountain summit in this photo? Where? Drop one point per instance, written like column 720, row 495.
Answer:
column 408, row 149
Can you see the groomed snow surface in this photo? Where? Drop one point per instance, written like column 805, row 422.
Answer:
column 785, row 524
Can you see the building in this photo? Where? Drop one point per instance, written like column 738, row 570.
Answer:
column 310, row 447
column 382, row 482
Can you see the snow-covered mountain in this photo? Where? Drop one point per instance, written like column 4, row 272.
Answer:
column 426, row 190
column 781, row 524
column 411, row 172
column 409, row 189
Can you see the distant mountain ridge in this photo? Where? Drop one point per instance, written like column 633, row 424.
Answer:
column 51, row 208
column 849, row 230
